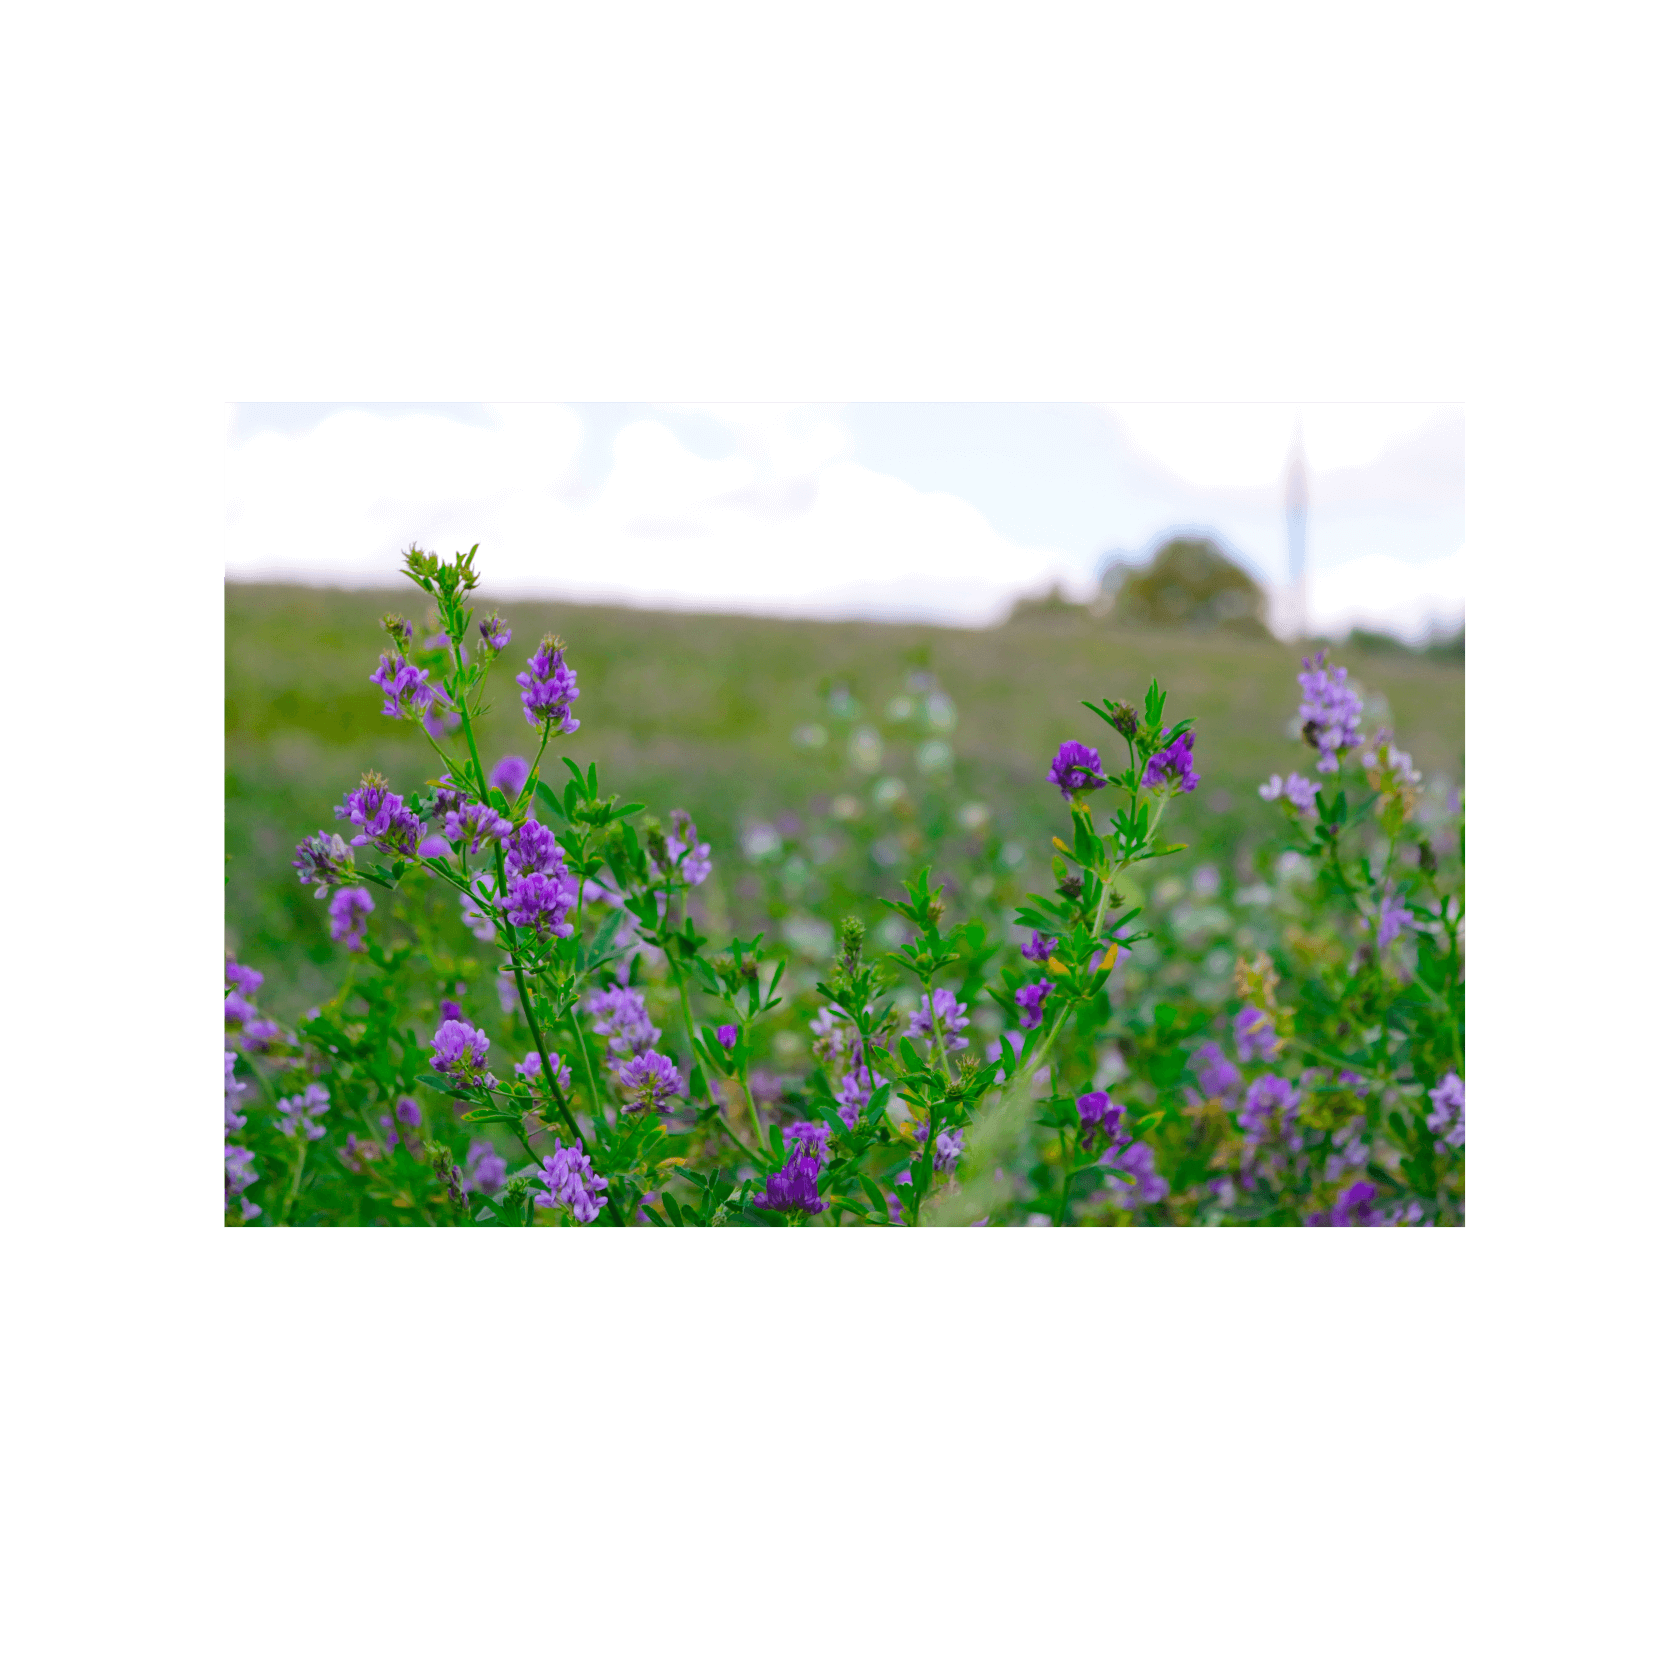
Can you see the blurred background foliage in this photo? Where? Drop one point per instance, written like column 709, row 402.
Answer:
column 821, row 761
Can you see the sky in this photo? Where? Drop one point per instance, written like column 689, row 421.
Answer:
column 942, row 512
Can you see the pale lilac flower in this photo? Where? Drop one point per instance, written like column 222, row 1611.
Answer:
column 809, row 1135
column 540, row 902
column 408, row 694
column 1254, row 1035
column 940, row 1009
column 324, row 860
column 571, row 1183
column 793, row 1188
column 239, row 1176
column 620, row 1013
column 408, row 1113
column 548, row 690
column 237, row 1010
column 510, row 774
column 1391, row 918
column 1032, row 1000
column 259, row 1035
column 243, row 977
column 1149, row 1187
column 1077, row 768
column 1300, row 792
column 1446, row 1117
column 949, row 1146
column 1330, row 710
column 533, row 849
column 529, row 1069
column 1214, row 1071
column 691, row 858
column 475, row 827
column 461, row 1052
column 854, row 1093
column 485, row 1167
column 233, row 1088
column 1174, row 767
column 303, row 1113
column 655, row 1080
column 347, row 916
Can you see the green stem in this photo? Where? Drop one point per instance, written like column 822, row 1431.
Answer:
column 298, row 1172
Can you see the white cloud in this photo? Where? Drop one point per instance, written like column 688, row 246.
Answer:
column 1386, row 594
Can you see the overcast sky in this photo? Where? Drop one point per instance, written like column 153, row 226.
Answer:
column 937, row 511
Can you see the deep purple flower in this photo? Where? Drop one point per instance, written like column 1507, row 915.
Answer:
column 1077, row 768
column 1150, row 1186
column 571, row 1183
column 809, row 1135
column 495, row 632
column 548, row 689
column 1391, row 918
column 303, row 1113
column 385, row 820
column 653, row 1078
column 620, row 1013
column 239, row 1176
column 1099, row 1113
column 1041, row 947
column 408, row 1113
column 529, row 1068
column 475, row 827
column 408, row 694
column 323, row 860
column 539, row 902
column 1254, row 1035
column 1214, row 1070
column 243, row 977
column 949, row 1146
column 461, row 1053
column 793, row 1188
column 347, row 916
column 1446, row 1117
column 1354, row 1208
column 949, row 1015
column 510, row 774
column 1032, row 1000
column 486, row 1168
column 727, row 1034
column 1330, row 710
column 533, row 849
column 1175, row 767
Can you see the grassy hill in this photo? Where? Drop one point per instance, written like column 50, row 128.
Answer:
column 786, row 727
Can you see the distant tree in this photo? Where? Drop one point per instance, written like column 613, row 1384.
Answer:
column 1189, row 583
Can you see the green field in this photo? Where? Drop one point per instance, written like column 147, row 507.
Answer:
column 702, row 712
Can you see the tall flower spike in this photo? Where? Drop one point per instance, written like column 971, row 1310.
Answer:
column 548, row 689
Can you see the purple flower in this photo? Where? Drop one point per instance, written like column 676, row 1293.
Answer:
column 239, row 1176
column 539, row 902
column 809, row 1135
column 949, row 1015
column 1100, row 1113
column 1390, row 919
column 1040, row 948
column 1330, row 710
column 854, row 1093
column 949, row 1146
column 399, row 631
column 259, row 1035
column 392, row 827
column 548, row 689
column 407, row 1113
column 533, row 849
column 1149, row 1186
column 620, row 1013
column 1077, row 768
column 529, row 1068
column 793, row 1188
column 1354, row 1208
column 510, row 774
column 323, row 860
column 1032, row 1001
column 461, row 1053
column 243, row 977
column 347, row 916
column 653, row 1078
column 1446, row 1118
column 727, row 1035
column 495, row 633
column 1175, row 767
column 407, row 693
column 1268, row 1114
column 691, row 858
column 236, row 1010
column 475, row 827
column 303, row 1113
column 1214, row 1070
column 1254, row 1035
column 450, row 1010
column 486, row 1168
column 571, row 1183
column 233, row 1088
column 1299, row 792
